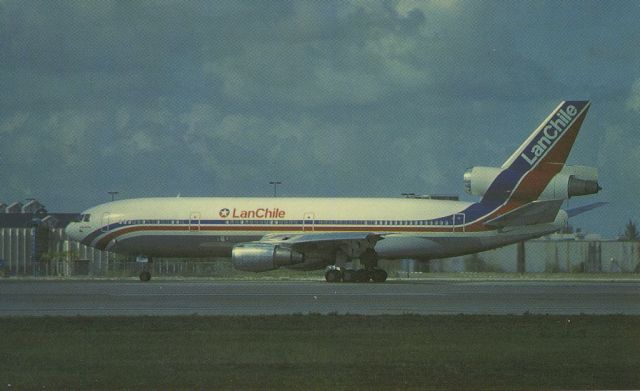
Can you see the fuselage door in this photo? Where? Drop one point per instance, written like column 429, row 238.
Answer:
column 106, row 217
column 459, row 220
column 194, row 221
column 308, row 221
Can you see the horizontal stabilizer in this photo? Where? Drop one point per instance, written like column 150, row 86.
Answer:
column 536, row 212
column 585, row 208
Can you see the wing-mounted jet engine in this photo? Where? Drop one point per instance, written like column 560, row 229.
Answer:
column 261, row 257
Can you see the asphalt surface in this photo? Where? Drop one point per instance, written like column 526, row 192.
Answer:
column 107, row 298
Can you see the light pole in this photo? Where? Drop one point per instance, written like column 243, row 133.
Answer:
column 113, row 194
column 275, row 187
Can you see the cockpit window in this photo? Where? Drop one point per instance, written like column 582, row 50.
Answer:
column 86, row 218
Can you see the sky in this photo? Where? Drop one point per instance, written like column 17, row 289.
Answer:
column 344, row 98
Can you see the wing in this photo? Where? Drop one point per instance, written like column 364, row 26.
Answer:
column 353, row 243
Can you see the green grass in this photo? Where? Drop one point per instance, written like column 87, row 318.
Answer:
column 321, row 352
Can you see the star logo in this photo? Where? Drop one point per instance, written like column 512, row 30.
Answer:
column 224, row 212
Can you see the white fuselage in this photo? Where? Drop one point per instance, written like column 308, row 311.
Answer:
column 208, row 227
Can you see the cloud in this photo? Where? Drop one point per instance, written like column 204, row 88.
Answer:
column 405, row 7
column 633, row 102
column 332, row 98
column 311, row 155
column 13, row 123
column 618, row 157
column 239, row 150
column 618, row 165
column 45, row 154
column 368, row 57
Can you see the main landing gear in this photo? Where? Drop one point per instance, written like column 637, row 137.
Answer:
column 371, row 272
column 335, row 274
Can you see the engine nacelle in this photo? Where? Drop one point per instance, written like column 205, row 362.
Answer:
column 261, row 257
column 478, row 179
column 572, row 181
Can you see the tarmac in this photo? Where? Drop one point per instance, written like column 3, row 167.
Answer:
column 211, row 297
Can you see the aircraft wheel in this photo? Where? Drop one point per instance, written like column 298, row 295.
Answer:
column 349, row 275
column 145, row 276
column 379, row 275
column 333, row 275
column 363, row 275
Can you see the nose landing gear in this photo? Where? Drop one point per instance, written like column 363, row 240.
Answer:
column 145, row 273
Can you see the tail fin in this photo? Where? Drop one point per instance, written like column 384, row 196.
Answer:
column 533, row 165
column 553, row 138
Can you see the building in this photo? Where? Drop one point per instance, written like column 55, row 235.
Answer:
column 555, row 254
column 33, row 242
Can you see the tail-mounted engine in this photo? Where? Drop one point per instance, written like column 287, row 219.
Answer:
column 478, row 179
column 571, row 181
column 260, row 257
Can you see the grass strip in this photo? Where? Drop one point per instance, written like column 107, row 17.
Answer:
column 321, row 352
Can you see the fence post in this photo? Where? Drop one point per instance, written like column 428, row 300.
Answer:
column 521, row 258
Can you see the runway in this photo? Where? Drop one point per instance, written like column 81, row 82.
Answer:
column 159, row 298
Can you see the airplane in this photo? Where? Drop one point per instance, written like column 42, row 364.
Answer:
column 520, row 200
